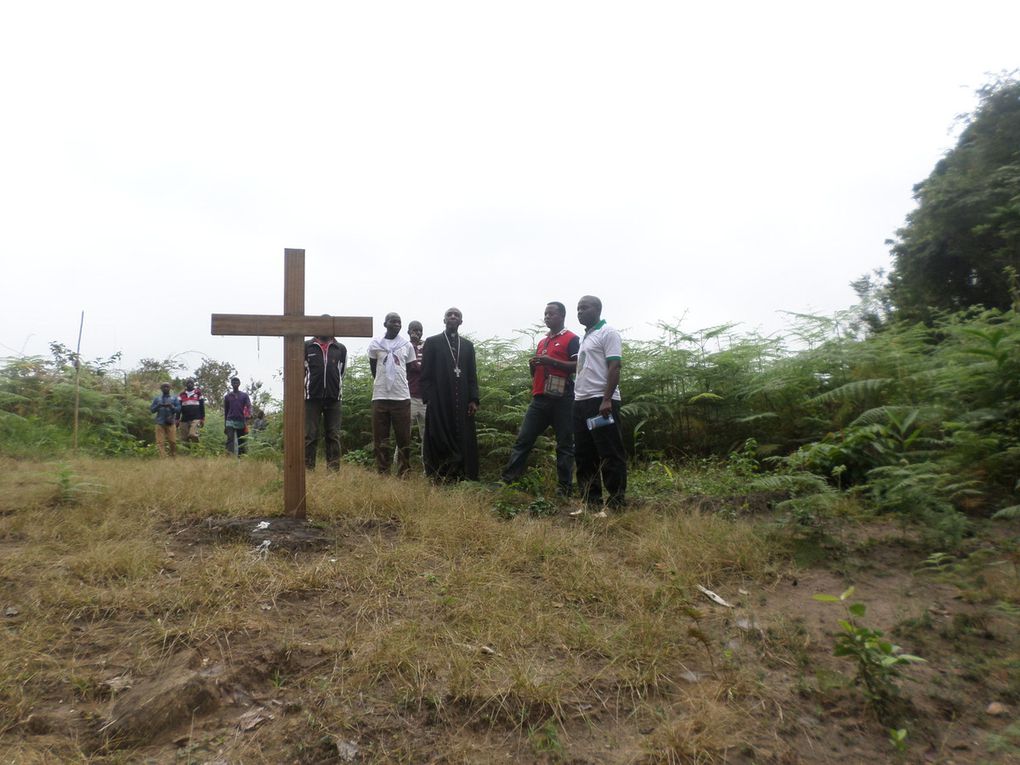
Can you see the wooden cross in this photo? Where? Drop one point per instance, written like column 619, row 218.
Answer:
column 294, row 326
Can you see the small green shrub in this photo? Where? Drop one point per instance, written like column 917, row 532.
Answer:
column 69, row 488
column 878, row 661
column 361, row 457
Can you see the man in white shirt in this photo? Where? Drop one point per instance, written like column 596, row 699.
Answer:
column 598, row 445
column 388, row 357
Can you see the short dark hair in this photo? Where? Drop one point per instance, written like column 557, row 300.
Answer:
column 235, row 378
column 559, row 307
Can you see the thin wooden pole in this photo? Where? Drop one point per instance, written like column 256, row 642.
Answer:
column 77, row 389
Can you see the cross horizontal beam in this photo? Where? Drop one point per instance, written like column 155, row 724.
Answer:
column 290, row 326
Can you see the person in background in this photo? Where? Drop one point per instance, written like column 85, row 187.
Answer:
column 414, row 332
column 325, row 365
column 552, row 400
column 259, row 422
column 236, row 413
column 192, row 412
column 388, row 357
column 167, row 408
column 598, row 445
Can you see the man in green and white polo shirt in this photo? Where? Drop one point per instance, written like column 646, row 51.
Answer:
column 598, row 451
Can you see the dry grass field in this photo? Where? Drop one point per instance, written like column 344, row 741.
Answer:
column 144, row 619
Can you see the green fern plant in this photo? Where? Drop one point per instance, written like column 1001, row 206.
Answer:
column 923, row 492
column 1010, row 513
column 69, row 488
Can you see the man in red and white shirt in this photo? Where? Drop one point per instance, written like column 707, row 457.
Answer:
column 192, row 412
column 552, row 399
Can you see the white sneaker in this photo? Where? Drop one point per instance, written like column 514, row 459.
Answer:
column 600, row 514
column 576, row 513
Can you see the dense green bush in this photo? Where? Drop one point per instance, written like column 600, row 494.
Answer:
column 921, row 419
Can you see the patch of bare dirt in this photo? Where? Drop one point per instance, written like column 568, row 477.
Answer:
column 944, row 706
column 277, row 533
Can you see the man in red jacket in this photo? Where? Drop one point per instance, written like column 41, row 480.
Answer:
column 552, row 400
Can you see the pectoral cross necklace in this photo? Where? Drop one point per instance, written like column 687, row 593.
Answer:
column 454, row 356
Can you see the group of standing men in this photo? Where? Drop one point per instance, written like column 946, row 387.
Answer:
column 435, row 383
column 179, row 415
column 414, row 382
column 575, row 391
column 183, row 415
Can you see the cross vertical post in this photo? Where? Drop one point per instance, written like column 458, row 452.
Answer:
column 293, row 388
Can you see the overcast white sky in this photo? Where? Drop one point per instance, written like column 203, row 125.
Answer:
column 720, row 161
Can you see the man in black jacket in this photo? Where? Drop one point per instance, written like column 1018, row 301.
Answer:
column 325, row 364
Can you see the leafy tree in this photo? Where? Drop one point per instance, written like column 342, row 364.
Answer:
column 213, row 377
column 874, row 306
column 151, row 373
column 955, row 248
column 260, row 397
column 64, row 357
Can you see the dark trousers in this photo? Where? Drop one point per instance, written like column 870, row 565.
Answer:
column 237, row 441
column 545, row 411
column 328, row 410
column 601, row 459
column 387, row 414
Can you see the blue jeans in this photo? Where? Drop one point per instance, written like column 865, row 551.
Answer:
column 543, row 412
column 237, row 441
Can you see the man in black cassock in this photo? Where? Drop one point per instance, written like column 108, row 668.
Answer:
column 449, row 387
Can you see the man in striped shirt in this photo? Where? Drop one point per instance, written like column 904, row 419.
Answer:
column 192, row 412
